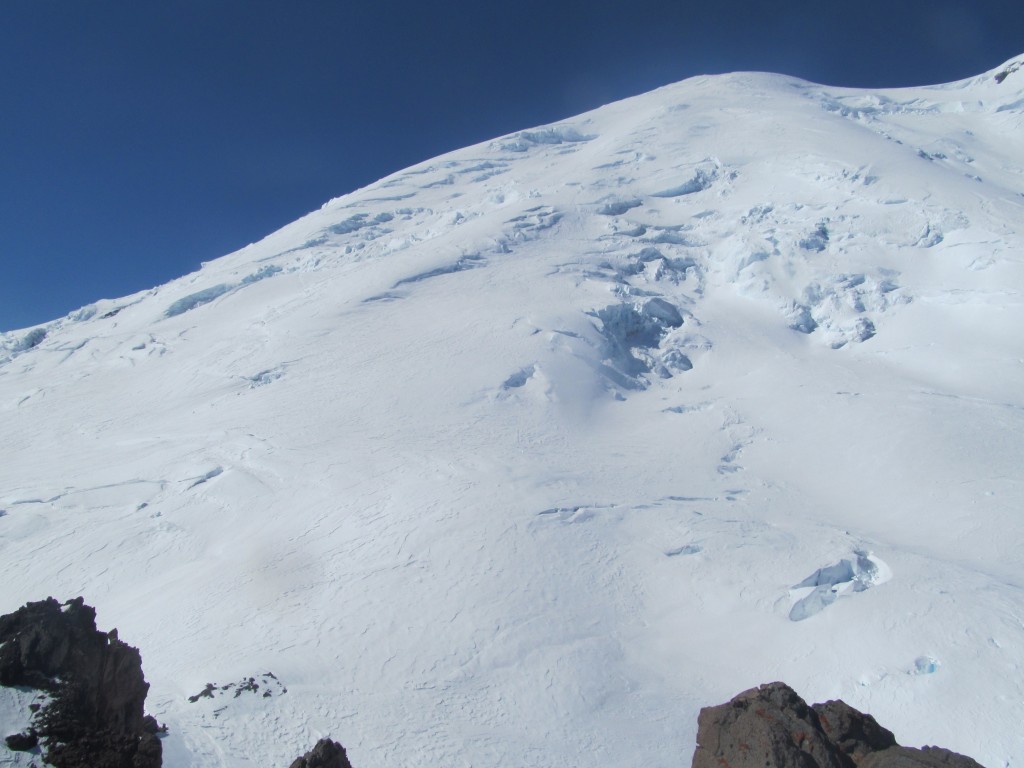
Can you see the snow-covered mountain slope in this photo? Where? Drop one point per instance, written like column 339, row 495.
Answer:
column 522, row 455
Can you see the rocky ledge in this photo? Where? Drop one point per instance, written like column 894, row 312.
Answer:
column 96, row 692
column 772, row 727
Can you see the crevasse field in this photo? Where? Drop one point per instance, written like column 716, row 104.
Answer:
column 522, row 455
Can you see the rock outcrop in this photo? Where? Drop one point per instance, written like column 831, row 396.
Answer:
column 853, row 732
column 95, row 715
column 772, row 727
column 326, row 754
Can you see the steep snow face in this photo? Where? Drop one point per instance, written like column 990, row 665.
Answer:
column 527, row 452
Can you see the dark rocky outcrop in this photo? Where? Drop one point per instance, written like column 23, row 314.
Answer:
column 265, row 685
column 326, row 754
column 772, row 727
column 925, row 757
column 97, row 691
column 22, row 742
column 853, row 732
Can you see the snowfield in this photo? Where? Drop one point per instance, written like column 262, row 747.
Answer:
column 521, row 456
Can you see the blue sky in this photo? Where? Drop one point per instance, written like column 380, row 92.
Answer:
column 141, row 137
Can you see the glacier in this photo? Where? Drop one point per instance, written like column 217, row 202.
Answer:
column 522, row 455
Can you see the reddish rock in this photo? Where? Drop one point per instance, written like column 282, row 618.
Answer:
column 772, row 727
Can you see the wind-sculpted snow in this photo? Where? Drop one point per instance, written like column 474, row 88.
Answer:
column 197, row 299
column 206, row 295
column 532, row 450
column 618, row 207
column 31, row 339
column 267, row 270
column 265, row 377
column 556, row 134
column 701, row 180
column 358, row 222
column 466, row 262
column 262, row 686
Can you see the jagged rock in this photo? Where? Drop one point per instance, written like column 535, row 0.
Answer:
column 855, row 733
column 95, row 716
column 326, row 754
column 772, row 727
column 766, row 727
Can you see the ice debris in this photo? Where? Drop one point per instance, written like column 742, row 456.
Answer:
column 828, row 584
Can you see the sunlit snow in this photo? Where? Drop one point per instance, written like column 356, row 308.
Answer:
column 521, row 456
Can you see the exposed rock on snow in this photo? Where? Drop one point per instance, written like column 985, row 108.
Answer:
column 95, row 717
column 855, row 733
column 555, row 134
column 264, row 686
column 326, row 754
column 772, row 727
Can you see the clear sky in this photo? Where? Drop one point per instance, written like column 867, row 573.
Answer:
column 141, row 137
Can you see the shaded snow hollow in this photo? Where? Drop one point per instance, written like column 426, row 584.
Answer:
column 534, row 449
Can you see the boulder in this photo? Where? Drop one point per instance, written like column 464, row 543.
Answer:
column 325, row 754
column 772, row 727
column 766, row 727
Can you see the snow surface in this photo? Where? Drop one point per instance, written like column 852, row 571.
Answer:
column 16, row 717
column 521, row 456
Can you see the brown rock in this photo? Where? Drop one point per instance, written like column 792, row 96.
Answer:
column 855, row 733
column 766, row 727
column 326, row 754
column 772, row 727
column 926, row 757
